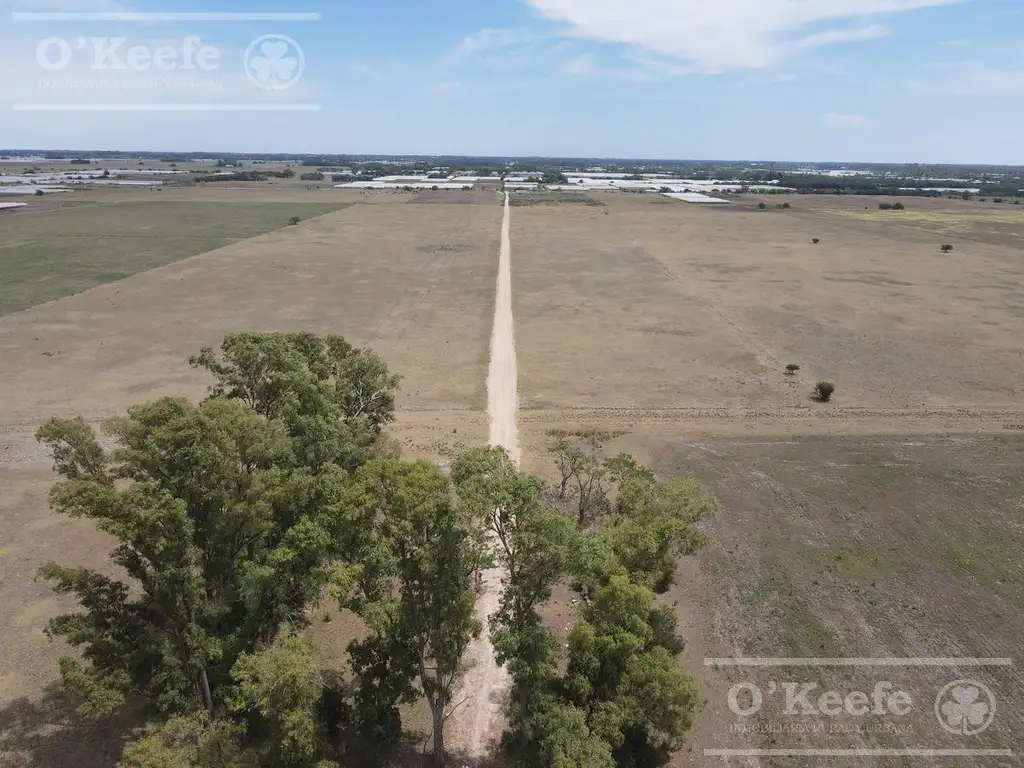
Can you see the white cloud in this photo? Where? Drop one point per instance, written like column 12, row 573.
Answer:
column 493, row 39
column 718, row 35
column 841, row 120
column 976, row 78
column 834, row 36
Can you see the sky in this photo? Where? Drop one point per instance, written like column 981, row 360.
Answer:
column 938, row 81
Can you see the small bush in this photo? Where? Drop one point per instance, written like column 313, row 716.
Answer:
column 786, row 206
column 947, row 248
column 294, row 220
column 761, row 206
column 885, row 206
column 792, row 368
column 898, row 207
column 998, row 200
column 815, row 241
column 823, row 391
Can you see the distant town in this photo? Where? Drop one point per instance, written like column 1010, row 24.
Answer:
column 33, row 172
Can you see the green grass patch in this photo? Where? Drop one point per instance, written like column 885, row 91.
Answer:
column 857, row 562
column 991, row 555
column 526, row 199
column 878, row 475
column 802, row 634
column 48, row 255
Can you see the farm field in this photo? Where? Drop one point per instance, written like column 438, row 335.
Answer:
column 887, row 522
column 78, row 243
column 414, row 282
column 884, row 524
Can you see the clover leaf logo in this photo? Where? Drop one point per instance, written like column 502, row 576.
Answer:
column 965, row 707
column 274, row 62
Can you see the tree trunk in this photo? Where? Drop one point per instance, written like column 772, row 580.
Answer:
column 437, row 710
column 204, row 684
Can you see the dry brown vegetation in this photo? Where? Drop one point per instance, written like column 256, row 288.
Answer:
column 887, row 522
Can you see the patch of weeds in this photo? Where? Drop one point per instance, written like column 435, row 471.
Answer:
column 587, row 434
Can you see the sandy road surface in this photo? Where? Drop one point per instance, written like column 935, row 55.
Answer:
column 486, row 683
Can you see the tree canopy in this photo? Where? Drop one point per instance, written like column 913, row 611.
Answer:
column 233, row 517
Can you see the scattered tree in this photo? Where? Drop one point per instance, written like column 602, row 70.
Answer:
column 947, row 248
column 792, row 369
column 823, row 391
column 816, row 240
column 294, row 220
column 583, row 476
column 762, row 206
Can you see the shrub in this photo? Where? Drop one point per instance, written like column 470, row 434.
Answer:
column 294, row 220
column 761, row 206
column 815, row 241
column 946, row 248
column 898, row 207
column 786, row 206
column 792, row 368
column 885, row 206
column 998, row 200
column 823, row 391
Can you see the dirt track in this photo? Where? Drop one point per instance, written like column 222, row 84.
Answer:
column 486, row 682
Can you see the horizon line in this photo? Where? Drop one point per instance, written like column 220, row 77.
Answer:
column 485, row 156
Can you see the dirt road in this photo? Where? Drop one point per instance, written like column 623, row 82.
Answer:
column 486, row 683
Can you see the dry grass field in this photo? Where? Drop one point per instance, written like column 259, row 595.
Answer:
column 887, row 523
column 415, row 282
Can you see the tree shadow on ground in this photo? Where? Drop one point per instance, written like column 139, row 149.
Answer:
column 454, row 760
column 415, row 753
column 48, row 734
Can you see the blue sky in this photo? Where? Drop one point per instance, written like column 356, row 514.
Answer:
column 858, row 80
